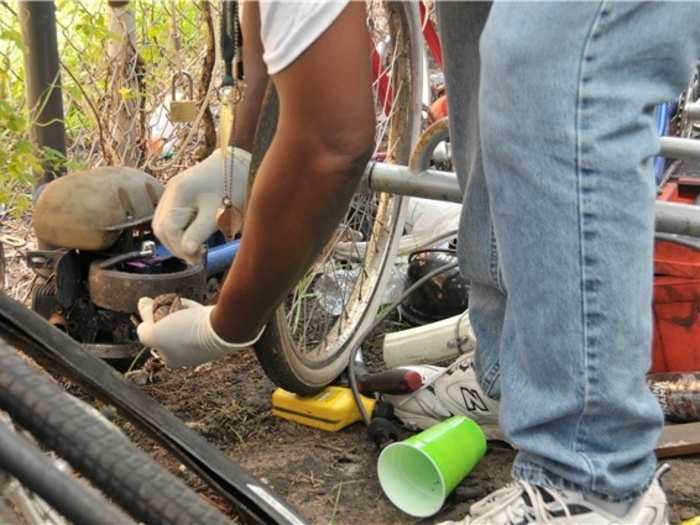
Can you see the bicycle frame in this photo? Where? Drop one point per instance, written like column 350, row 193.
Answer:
column 675, row 218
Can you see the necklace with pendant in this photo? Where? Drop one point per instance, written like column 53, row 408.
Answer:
column 228, row 217
column 231, row 93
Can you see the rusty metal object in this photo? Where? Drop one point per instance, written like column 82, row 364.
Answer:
column 166, row 304
column 678, row 394
column 422, row 153
column 88, row 210
column 120, row 291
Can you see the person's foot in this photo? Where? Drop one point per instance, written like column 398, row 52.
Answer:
column 522, row 503
column 450, row 391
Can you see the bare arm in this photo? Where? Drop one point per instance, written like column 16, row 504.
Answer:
column 303, row 187
column 256, row 79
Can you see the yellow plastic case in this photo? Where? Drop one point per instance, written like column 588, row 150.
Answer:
column 332, row 409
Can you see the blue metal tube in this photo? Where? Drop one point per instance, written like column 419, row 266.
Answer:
column 220, row 257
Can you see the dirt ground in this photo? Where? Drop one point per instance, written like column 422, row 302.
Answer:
column 328, row 477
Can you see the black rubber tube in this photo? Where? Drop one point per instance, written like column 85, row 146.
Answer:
column 97, row 449
column 68, row 496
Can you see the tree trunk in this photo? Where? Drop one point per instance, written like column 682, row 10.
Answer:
column 205, row 80
column 125, row 98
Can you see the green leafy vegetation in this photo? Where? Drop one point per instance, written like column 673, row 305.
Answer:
column 89, row 87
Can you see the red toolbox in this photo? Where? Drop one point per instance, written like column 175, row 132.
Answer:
column 676, row 305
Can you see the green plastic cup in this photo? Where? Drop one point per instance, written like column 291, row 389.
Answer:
column 417, row 474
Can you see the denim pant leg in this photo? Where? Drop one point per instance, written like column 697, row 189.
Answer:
column 460, row 25
column 567, row 133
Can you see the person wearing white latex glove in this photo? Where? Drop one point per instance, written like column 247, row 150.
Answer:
column 303, row 186
column 185, row 337
column 186, row 213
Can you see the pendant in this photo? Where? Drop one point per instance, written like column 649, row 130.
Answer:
column 229, row 221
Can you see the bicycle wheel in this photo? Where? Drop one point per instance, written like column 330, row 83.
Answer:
column 66, row 494
column 96, row 448
column 307, row 342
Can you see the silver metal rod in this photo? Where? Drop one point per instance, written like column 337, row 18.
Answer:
column 692, row 111
column 675, row 148
column 430, row 184
column 682, row 219
column 672, row 217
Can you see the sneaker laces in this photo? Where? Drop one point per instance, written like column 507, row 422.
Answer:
column 509, row 505
column 484, row 505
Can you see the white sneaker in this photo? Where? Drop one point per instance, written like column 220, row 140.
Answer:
column 448, row 392
column 522, row 503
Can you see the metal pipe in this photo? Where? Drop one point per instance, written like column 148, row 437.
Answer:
column 676, row 148
column 692, row 111
column 220, row 258
column 43, row 79
column 682, row 219
column 430, row 184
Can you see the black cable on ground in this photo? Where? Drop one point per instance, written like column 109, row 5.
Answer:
column 68, row 496
column 353, row 354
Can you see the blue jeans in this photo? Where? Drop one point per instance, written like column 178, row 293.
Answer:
column 554, row 151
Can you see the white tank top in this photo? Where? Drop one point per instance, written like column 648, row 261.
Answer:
column 288, row 28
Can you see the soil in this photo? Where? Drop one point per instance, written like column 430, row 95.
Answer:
column 328, row 477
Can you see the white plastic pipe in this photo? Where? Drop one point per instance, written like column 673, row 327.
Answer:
column 430, row 343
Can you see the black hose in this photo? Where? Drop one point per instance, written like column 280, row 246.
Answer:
column 68, row 496
column 353, row 354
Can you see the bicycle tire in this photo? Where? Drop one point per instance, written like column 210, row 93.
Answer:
column 307, row 367
column 97, row 449
column 68, row 496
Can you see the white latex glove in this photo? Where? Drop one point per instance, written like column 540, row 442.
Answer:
column 185, row 337
column 186, row 213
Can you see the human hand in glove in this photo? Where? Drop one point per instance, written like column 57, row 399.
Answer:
column 185, row 337
column 186, row 214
